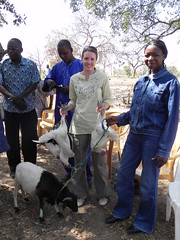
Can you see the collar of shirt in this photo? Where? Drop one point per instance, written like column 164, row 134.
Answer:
column 22, row 62
column 156, row 75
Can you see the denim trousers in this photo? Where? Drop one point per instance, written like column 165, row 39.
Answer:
column 138, row 148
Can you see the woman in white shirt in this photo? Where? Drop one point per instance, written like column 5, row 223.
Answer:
column 86, row 89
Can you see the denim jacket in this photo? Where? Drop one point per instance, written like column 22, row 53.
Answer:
column 155, row 109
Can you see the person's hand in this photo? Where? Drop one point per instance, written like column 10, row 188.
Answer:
column 101, row 110
column 111, row 120
column 63, row 88
column 19, row 102
column 63, row 111
column 22, row 105
column 160, row 161
column 101, row 107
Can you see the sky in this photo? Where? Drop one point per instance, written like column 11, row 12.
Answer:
column 42, row 18
column 45, row 16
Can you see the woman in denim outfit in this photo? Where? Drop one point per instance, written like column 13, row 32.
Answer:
column 153, row 120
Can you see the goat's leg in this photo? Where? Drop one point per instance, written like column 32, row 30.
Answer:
column 24, row 194
column 16, row 188
column 57, row 211
column 41, row 214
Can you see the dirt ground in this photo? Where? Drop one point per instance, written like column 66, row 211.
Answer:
column 89, row 222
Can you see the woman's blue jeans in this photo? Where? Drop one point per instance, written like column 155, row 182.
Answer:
column 138, row 148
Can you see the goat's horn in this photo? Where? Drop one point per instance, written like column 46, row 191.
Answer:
column 67, row 199
column 36, row 141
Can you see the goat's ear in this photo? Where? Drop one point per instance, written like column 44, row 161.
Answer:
column 67, row 199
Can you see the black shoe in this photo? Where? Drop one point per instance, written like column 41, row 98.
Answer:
column 133, row 230
column 136, row 187
column 113, row 219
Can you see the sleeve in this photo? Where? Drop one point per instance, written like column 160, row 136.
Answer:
column 106, row 91
column 72, row 93
column 35, row 76
column 169, row 133
column 123, row 119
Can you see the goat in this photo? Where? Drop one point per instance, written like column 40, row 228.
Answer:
column 101, row 134
column 33, row 179
column 58, row 142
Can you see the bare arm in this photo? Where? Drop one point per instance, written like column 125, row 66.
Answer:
column 5, row 92
column 28, row 90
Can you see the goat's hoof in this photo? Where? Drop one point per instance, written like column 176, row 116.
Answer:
column 16, row 209
column 60, row 215
column 41, row 219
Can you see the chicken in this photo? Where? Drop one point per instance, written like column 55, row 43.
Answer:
column 101, row 135
column 58, row 142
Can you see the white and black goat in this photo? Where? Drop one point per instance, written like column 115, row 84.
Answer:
column 33, row 179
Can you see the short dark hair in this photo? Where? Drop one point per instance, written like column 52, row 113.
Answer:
column 17, row 41
column 64, row 43
column 90, row 49
column 160, row 44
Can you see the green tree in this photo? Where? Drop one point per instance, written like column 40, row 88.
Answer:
column 51, row 54
column 7, row 7
column 2, row 52
column 147, row 19
column 127, row 70
column 130, row 53
column 174, row 70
